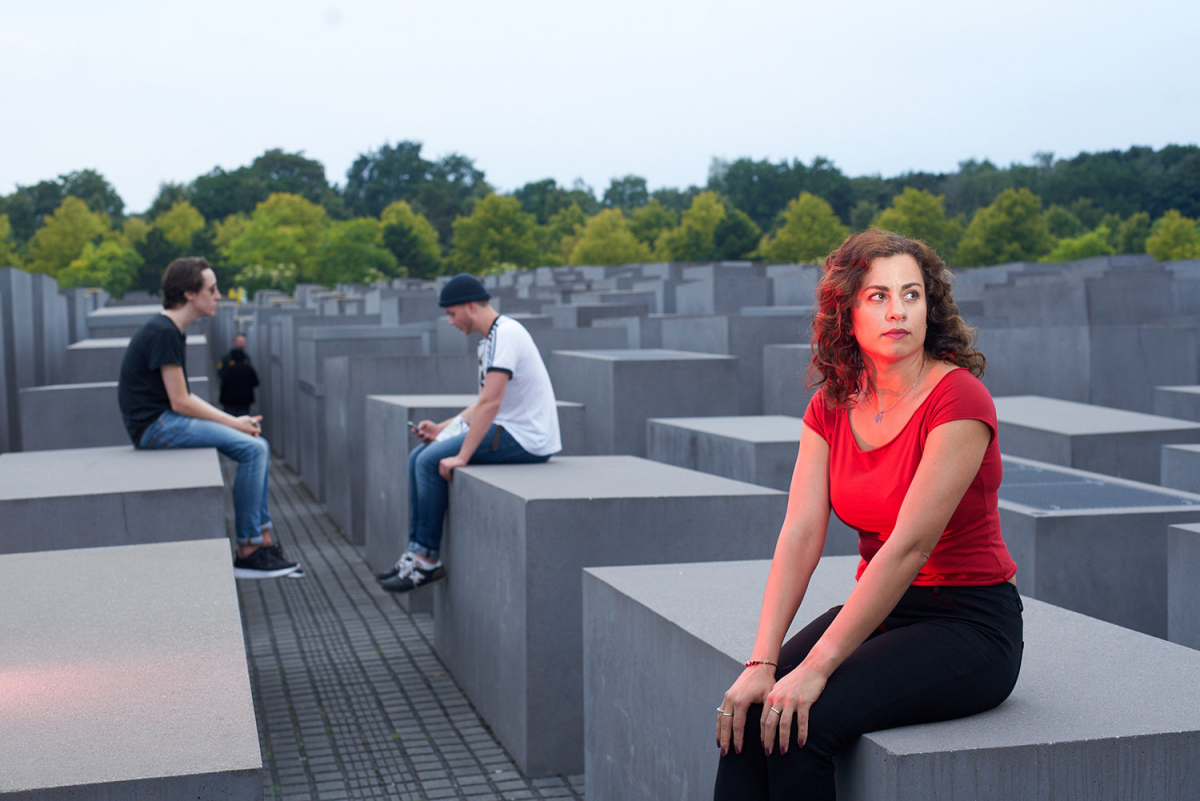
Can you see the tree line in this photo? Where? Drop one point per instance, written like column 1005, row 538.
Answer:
column 278, row 221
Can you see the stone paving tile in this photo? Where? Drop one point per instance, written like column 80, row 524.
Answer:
column 352, row 701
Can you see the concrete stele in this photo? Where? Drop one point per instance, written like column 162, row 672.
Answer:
column 124, row 676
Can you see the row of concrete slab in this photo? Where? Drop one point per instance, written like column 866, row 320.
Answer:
column 546, row 559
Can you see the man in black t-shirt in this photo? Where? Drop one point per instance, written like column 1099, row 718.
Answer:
column 161, row 412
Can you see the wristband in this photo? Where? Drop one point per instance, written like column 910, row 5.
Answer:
column 753, row 662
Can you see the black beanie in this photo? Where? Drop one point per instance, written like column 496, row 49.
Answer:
column 462, row 288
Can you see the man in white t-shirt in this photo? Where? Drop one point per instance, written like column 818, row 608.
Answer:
column 515, row 419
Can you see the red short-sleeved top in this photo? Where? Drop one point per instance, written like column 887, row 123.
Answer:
column 866, row 488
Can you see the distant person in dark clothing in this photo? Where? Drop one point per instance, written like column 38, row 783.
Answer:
column 160, row 411
column 238, row 381
column 239, row 343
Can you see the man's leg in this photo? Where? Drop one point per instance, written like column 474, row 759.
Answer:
column 252, row 520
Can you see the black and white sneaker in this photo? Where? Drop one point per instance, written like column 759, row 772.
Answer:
column 262, row 563
column 403, row 567
column 416, row 577
column 278, row 551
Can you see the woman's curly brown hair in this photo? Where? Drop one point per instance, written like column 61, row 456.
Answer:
column 836, row 358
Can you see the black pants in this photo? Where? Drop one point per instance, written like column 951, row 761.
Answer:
column 943, row 652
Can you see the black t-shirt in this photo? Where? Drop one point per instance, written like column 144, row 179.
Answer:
column 141, row 392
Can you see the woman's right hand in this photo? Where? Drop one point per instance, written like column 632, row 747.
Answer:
column 750, row 688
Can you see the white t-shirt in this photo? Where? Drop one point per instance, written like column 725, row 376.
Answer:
column 528, row 411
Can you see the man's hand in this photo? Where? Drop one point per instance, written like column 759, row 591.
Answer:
column 427, row 431
column 447, row 465
column 249, row 425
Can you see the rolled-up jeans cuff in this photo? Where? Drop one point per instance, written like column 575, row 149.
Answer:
column 426, row 553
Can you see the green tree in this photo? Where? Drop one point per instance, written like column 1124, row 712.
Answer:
column 692, row 239
column 1010, row 229
column 180, row 224
column 1172, row 237
column 9, row 257
column 497, row 231
column 259, row 276
column 863, row 214
column 606, row 239
column 810, row 230
column 134, row 231
column 626, row 193
column 61, row 239
column 219, row 193
column 1084, row 246
column 99, row 195
column 113, row 265
column 736, row 236
column 1131, row 234
column 557, row 238
column 649, row 221
column 1061, row 223
column 352, row 252
column 284, row 229
column 28, row 207
column 169, row 193
column 919, row 215
column 411, row 239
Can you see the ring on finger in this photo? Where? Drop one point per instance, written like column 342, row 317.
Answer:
column 777, row 711
column 722, row 711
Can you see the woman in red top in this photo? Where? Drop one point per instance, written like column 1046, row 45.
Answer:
column 901, row 442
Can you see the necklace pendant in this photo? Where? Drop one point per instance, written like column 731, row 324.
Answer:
column 879, row 417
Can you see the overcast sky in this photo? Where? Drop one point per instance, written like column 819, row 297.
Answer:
column 146, row 92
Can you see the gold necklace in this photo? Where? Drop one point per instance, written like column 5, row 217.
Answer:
column 880, row 412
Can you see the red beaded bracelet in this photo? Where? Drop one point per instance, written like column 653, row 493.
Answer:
column 753, row 662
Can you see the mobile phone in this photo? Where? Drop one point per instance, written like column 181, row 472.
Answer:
column 413, row 426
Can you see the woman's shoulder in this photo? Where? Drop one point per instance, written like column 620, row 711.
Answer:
column 960, row 391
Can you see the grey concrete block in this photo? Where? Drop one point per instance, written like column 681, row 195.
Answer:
column 1092, row 543
column 743, row 336
column 1129, row 361
column 78, row 415
column 313, row 346
column 755, row 449
column 582, row 315
column 125, row 676
column 349, row 380
column 19, row 360
column 642, row 332
column 621, row 389
column 1182, row 402
column 509, row 616
column 1051, row 361
column 51, row 328
column 785, row 373
column 8, row 418
column 51, row 500
column 121, row 321
column 92, row 360
column 1099, row 712
column 1103, row 440
column 1183, row 585
column 721, row 288
column 1181, row 467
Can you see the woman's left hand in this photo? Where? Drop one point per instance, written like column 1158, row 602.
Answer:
column 790, row 698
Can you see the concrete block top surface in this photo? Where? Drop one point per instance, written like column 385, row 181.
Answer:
column 423, row 401
column 1185, row 448
column 1191, row 527
column 110, row 312
column 357, row 332
column 751, row 428
column 1046, row 489
column 646, row 355
column 1081, row 678
column 109, row 343
column 102, row 471
column 121, row 664
column 1069, row 417
column 79, row 387
column 596, row 477
column 1186, row 390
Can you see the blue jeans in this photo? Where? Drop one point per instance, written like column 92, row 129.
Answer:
column 252, row 454
column 428, row 491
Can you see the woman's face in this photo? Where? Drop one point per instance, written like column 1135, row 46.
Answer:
column 889, row 310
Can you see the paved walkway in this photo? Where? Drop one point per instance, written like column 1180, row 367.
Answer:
column 352, row 701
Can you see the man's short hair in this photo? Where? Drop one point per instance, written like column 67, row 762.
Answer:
column 182, row 276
